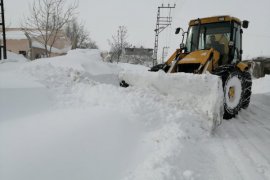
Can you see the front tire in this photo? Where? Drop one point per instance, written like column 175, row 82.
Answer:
column 233, row 85
column 247, row 89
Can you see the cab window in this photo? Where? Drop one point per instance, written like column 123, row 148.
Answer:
column 237, row 40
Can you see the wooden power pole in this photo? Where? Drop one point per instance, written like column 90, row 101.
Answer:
column 3, row 45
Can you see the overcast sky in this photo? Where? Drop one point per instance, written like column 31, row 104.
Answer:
column 102, row 18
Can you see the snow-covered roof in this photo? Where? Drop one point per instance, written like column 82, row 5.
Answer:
column 15, row 35
column 39, row 45
column 20, row 34
column 35, row 35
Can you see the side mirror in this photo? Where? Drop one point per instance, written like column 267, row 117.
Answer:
column 177, row 31
column 245, row 24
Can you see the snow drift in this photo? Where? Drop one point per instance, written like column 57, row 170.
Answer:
column 67, row 118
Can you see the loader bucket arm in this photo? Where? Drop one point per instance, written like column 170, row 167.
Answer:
column 173, row 57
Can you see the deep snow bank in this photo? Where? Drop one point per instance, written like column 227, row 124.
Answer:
column 98, row 130
column 203, row 93
column 86, row 64
column 81, row 60
column 95, row 129
column 20, row 94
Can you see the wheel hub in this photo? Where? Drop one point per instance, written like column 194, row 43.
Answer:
column 231, row 92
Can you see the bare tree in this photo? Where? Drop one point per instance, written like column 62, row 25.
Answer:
column 79, row 36
column 119, row 43
column 47, row 18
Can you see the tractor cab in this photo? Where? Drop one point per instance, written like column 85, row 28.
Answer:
column 222, row 33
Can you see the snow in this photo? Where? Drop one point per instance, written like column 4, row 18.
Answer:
column 20, row 34
column 12, row 57
column 262, row 85
column 20, row 93
column 207, row 98
column 15, row 35
column 67, row 118
column 40, row 45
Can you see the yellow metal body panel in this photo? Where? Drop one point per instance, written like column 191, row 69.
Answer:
column 214, row 19
column 197, row 57
column 173, row 56
column 201, row 57
column 214, row 64
column 242, row 66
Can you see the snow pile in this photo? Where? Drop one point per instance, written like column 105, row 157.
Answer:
column 81, row 60
column 12, row 57
column 262, row 85
column 20, row 93
column 89, row 127
column 203, row 93
column 39, row 45
column 69, row 119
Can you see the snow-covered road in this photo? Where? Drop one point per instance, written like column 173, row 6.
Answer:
column 239, row 148
column 245, row 142
column 67, row 118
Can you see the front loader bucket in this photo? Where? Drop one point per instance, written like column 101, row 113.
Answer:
column 203, row 93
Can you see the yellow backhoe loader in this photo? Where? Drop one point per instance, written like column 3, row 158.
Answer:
column 213, row 45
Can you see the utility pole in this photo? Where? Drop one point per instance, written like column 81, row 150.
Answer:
column 162, row 23
column 164, row 53
column 3, row 45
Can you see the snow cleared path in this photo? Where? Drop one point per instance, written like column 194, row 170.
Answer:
column 245, row 142
column 67, row 118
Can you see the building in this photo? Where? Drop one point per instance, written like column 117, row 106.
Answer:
column 31, row 44
column 138, row 56
column 260, row 66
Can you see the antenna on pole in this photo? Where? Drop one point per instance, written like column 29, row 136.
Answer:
column 3, row 45
column 162, row 23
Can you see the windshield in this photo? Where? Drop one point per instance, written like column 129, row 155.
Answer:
column 215, row 36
